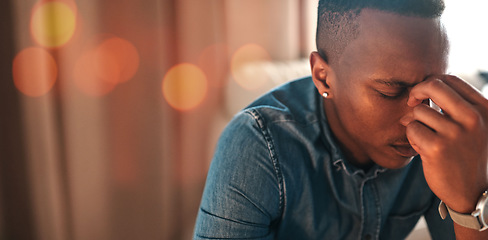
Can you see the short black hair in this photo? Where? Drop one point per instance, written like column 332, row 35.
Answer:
column 337, row 23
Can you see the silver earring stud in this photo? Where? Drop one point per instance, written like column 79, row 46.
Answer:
column 325, row 94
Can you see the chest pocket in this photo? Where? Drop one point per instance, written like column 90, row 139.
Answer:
column 399, row 226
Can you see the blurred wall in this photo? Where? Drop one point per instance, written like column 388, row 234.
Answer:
column 111, row 109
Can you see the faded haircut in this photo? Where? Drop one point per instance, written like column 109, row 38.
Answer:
column 337, row 23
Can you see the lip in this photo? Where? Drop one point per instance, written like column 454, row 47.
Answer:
column 404, row 150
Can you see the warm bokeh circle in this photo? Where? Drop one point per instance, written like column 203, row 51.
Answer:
column 241, row 63
column 105, row 64
column 184, row 86
column 53, row 24
column 34, row 71
column 124, row 55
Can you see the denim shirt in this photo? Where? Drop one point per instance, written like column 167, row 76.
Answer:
column 278, row 173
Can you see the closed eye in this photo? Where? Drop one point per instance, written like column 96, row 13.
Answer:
column 391, row 95
column 392, row 89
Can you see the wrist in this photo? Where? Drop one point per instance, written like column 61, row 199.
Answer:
column 466, row 204
column 477, row 219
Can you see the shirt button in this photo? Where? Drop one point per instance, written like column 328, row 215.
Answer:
column 367, row 237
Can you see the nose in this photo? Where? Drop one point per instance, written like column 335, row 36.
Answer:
column 408, row 117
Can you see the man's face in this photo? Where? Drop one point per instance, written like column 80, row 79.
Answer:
column 370, row 84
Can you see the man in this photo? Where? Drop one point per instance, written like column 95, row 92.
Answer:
column 355, row 151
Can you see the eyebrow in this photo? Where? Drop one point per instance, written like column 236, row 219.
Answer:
column 395, row 83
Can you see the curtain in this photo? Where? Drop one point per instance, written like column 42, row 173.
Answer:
column 110, row 110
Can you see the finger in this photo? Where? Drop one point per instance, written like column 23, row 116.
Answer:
column 420, row 137
column 463, row 88
column 468, row 92
column 433, row 119
column 444, row 96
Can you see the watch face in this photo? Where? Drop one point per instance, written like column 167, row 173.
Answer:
column 484, row 209
column 485, row 217
column 484, row 214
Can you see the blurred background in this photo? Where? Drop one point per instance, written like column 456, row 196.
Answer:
column 110, row 110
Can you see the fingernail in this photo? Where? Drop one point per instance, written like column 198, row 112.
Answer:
column 405, row 120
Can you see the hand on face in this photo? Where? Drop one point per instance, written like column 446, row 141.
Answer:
column 453, row 144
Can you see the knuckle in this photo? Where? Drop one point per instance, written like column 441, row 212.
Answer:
column 455, row 132
column 435, row 151
column 473, row 120
column 452, row 78
column 435, row 83
column 437, row 147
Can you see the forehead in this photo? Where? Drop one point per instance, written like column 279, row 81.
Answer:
column 398, row 46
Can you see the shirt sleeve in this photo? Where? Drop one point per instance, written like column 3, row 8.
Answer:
column 243, row 193
column 439, row 229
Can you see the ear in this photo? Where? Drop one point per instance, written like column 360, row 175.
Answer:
column 321, row 73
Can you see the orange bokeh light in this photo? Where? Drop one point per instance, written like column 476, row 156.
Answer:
column 124, row 55
column 109, row 63
column 240, row 62
column 34, row 71
column 53, row 23
column 94, row 73
column 184, row 86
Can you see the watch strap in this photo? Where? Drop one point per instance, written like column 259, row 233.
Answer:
column 465, row 220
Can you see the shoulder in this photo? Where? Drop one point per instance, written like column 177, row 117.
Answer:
column 288, row 120
column 293, row 101
column 281, row 125
column 287, row 110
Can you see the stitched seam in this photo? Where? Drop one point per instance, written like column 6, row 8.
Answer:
column 269, row 141
column 378, row 209
column 361, row 191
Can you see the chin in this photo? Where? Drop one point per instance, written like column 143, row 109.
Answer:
column 395, row 156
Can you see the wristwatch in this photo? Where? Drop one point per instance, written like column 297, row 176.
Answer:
column 477, row 220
